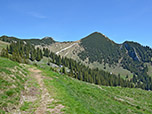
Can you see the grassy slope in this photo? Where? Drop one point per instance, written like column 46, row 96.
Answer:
column 78, row 97
column 3, row 45
column 82, row 98
column 13, row 78
column 115, row 70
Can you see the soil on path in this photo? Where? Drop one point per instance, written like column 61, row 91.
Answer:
column 45, row 96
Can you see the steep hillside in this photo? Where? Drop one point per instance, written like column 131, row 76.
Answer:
column 138, row 52
column 65, row 49
column 135, row 57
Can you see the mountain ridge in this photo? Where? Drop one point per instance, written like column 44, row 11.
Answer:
column 43, row 41
column 48, row 37
column 97, row 48
column 130, row 60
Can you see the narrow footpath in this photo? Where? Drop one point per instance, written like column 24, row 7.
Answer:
column 45, row 96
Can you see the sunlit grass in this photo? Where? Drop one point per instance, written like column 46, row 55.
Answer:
column 84, row 98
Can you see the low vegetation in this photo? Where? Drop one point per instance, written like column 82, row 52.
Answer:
column 12, row 79
column 85, row 98
column 16, row 86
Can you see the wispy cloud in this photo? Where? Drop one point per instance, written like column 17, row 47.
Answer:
column 37, row 15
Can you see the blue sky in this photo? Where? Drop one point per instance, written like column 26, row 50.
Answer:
column 72, row 20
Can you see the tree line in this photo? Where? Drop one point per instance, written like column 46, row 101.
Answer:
column 96, row 76
column 100, row 77
column 23, row 52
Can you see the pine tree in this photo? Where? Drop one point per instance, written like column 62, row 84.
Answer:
column 41, row 54
column 38, row 54
column 32, row 56
column 63, row 70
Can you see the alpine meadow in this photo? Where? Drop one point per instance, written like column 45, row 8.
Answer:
column 95, row 58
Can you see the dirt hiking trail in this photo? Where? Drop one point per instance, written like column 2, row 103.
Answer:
column 45, row 96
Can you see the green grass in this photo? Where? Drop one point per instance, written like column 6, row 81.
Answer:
column 26, row 106
column 78, row 97
column 83, row 98
column 12, row 79
column 115, row 70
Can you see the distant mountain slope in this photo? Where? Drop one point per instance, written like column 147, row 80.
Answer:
column 138, row 52
column 44, row 41
column 99, row 48
column 129, row 55
column 98, row 51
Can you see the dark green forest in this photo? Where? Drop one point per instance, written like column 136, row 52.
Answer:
column 22, row 52
column 99, row 48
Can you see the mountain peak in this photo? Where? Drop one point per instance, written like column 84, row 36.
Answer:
column 97, row 36
column 99, row 33
column 47, row 37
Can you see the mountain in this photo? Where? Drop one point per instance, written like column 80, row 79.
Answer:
column 138, row 52
column 129, row 59
column 130, row 55
column 99, row 48
column 98, row 51
column 44, row 41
